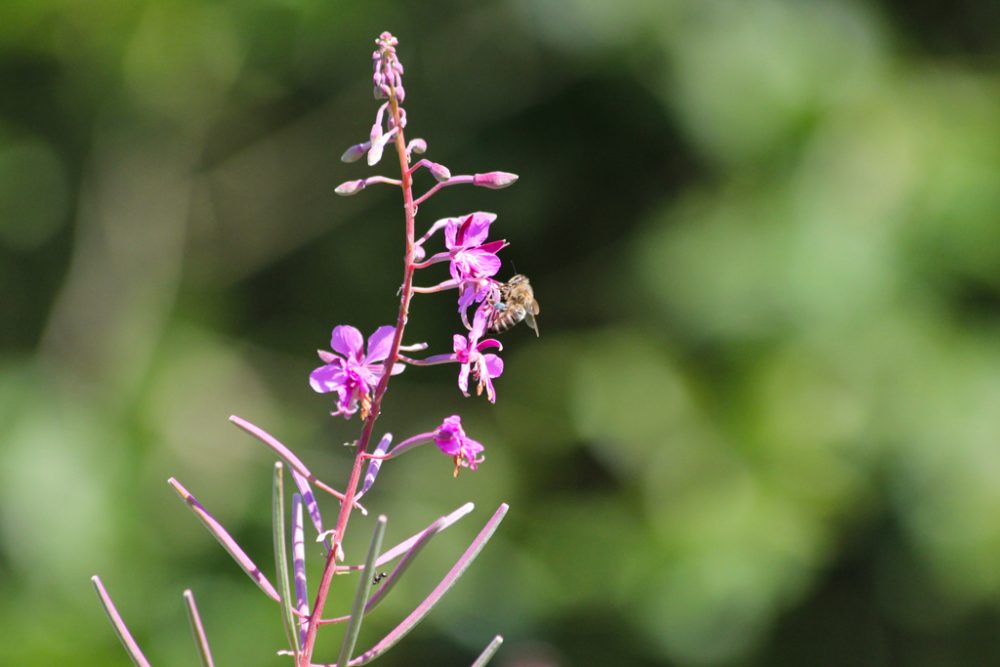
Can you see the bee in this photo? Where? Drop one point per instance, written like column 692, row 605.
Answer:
column 516, row 302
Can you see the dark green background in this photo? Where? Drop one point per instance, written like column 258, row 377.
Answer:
column 761, row 425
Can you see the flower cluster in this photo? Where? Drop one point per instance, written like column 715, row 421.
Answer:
column 472, row 258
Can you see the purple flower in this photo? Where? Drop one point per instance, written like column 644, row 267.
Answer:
column 471, row 258
column 451, row 439
column 352, row 373
column 483, row 367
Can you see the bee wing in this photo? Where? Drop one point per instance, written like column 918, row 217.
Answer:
column 529, row 317
column 533, row 307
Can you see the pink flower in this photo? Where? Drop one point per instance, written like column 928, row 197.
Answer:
column 451, row 439
column 471, row 258
column 483, row 367
column 352, row 373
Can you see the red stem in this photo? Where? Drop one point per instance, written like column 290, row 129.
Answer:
column 305, row 658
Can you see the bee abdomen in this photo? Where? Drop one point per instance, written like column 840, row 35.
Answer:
column 505, row 319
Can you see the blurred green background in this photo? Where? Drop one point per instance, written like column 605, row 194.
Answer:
column 761, row 425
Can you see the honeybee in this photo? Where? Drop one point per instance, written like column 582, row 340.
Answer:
column 516, row 303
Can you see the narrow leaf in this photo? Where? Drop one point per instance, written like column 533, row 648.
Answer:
column 361, row 597
column 289, row 457
column 299, row 566
column 375, row 463
column 408, row 543
column 131, row 647
column 226, row 540
column 310, row 501
column 281, row 556
column 488, row 652
column 382, row 591
column 446, row 583
column 200, row 638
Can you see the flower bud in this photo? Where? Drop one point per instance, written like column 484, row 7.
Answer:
column 494, row 180
column 375, row 153
column 439, row 171
column 355, row 152
column 417, row 146
column 348, row 188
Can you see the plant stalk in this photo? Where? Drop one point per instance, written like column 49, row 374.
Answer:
column 305, row 658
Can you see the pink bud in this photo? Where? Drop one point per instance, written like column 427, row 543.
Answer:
column 348, row 188
column 417, row 146
column 439, row 171
column 494, row 180
column 354, row 153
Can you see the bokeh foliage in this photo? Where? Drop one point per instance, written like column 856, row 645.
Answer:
column 762, row 423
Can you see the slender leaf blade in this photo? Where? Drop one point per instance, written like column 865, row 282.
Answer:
column 200, row 638
column 127, row 640
column 424, row 608
column 281, row 556
column 488, row 652
column 226, row 540
column 361, row 596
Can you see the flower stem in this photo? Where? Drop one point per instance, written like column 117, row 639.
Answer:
column 329, row 568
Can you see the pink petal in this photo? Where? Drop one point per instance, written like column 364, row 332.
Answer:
column 481, row 262
column 451, row 231
column 463, row 379
column 327, row 378
column 488, row 343
column 347, row 340
column 493, row 364
column 460, row 236
column 380, row 343
column 479, row 323
column 478, row 228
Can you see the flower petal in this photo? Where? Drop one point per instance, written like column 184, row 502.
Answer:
column 347, row 340
column 451, row 227
column 479, row 323
column 380, row 343
column 327, row 378
column 478, row 228
column 493, row 365
column 463, row 379
column 474, row 263
column 488, row 343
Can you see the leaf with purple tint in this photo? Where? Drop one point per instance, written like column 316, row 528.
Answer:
column 410, row 547
column 200, row 638
column 375, row 463
column 488, row 652
column 286, row 455
column 226, row 540
column 407, row 544
column 397, row 572
column 361, row 596
column 310, row 501
column 131, row 647
column 299, row 566
column 431, row 600
column 281, row 556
